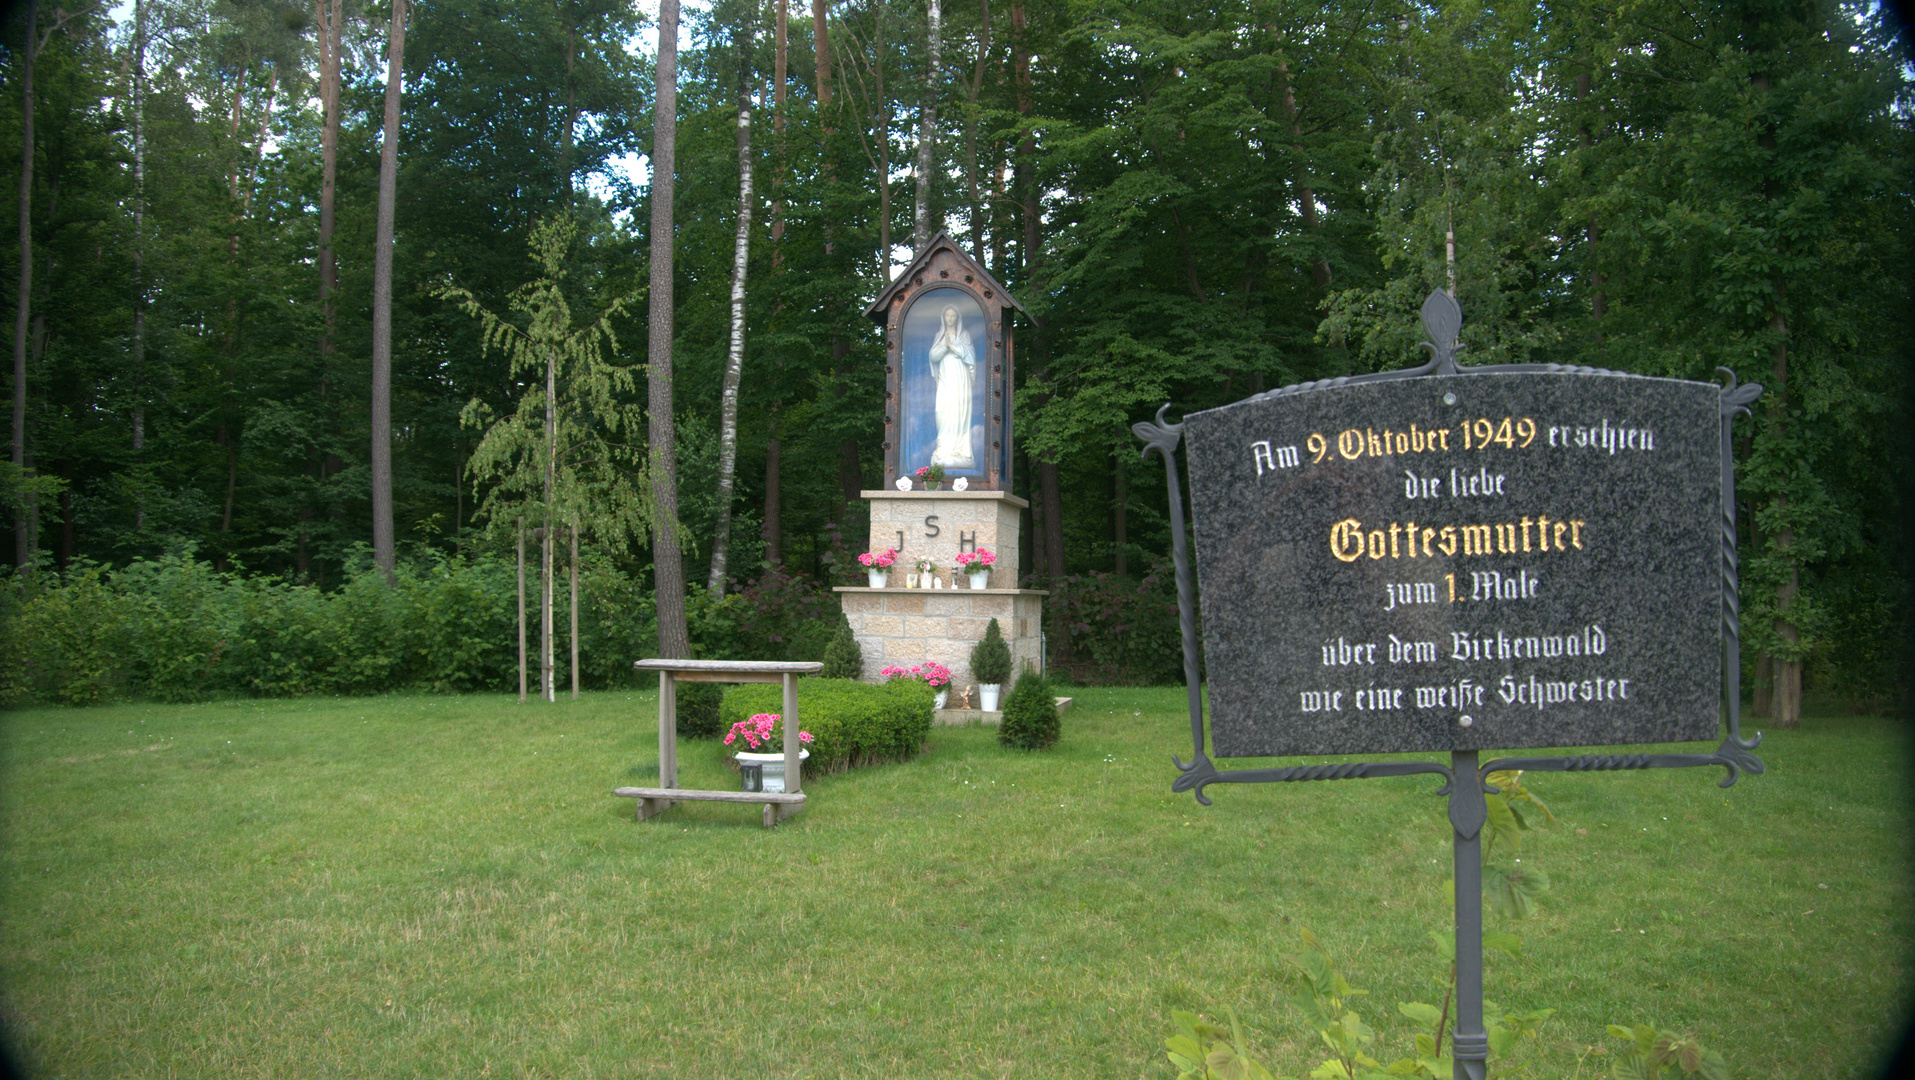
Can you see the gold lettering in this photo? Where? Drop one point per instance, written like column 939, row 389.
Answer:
column 1395, row 530
column 1342, row 535
column 1376, row 543
column 1576, row 533
column 1447, row 545
column 1542, row 534
column 1506, row 539
column 1561, row 528
column 1526, row 524
column 1475, row 540
column 1427, row 533
column 1350, row 444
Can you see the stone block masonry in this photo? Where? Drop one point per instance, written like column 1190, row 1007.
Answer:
column 909, row 626
column 905, row 626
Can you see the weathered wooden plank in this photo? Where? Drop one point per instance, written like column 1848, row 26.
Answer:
column 775, row 667
column 726, row 676
column 695, row 795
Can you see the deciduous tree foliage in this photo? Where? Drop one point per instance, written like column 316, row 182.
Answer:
column 1195, row 200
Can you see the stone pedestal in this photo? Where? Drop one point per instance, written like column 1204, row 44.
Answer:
column 905, row 626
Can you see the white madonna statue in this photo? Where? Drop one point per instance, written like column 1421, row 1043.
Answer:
column 953, row 369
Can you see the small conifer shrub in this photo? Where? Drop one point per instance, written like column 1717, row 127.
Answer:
column 843, row 658
column 991, row 657
column 1030, row 714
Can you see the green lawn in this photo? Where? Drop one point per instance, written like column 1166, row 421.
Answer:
column 444, row 885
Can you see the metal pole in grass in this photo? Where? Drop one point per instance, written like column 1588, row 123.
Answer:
column 1384, row 452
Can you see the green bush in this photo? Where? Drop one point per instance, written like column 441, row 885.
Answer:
column 1030, row 714
column 991, row 658
column 698, row 705
column 175, row 629
column 852, row 723
column 844, row 659
column 1112, row 630
column 65, row 644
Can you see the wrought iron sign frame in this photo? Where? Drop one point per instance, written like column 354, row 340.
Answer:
column 1465, row 781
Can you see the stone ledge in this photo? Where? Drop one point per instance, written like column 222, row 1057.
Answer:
column 939, row 592
column 963, row 717
column 944, row 493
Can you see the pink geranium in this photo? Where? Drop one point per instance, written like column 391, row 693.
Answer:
column 976, row 560
column 879, row 560
column 930, row 671
column 762, row 734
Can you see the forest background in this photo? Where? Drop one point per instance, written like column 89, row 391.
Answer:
column 1195, row 200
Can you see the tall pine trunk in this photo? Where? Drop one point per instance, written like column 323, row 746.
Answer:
column 735, row 354
column 23, row 308
column 139, row 245
column 1785, row 706
column 849, row 478
column 668, row 566
column 383, row 551
column 970, row 131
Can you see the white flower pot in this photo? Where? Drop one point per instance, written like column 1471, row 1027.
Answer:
column 980, row 579
column 988, row 693
column 925, row 580
column 878, row 576
column 938, row 703
column 910, row 581
column 773, row 766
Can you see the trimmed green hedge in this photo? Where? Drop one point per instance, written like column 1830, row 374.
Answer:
column 851, row 723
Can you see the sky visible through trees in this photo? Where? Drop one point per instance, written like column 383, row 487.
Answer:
column 1195, row 201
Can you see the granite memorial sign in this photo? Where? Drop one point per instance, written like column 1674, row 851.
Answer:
column 1490, row 560
column 1457, row 558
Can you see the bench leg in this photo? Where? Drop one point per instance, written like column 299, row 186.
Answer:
column 784, row 810
column 771, row 814
column 650, row 808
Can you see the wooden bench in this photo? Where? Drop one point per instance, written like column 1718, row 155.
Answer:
column 654, row 801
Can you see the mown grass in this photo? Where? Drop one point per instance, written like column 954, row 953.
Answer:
column 412, row 885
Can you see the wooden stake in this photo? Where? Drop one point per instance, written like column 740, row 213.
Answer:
column 521, row 609
column 575, row 613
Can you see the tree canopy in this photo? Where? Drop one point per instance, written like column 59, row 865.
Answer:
column 1196, row 201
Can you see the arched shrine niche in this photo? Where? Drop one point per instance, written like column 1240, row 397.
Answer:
column 947, row 392
column 943, row 413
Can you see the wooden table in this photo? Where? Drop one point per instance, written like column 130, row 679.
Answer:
column 778, row 805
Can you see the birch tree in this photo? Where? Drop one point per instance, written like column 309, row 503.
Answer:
column 921, row 226
column 735, row 354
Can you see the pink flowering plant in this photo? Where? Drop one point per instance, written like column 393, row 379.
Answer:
column 879, row 560
column 932, row 473
column 762, row 734
column 932, row 672
column 973, row 561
